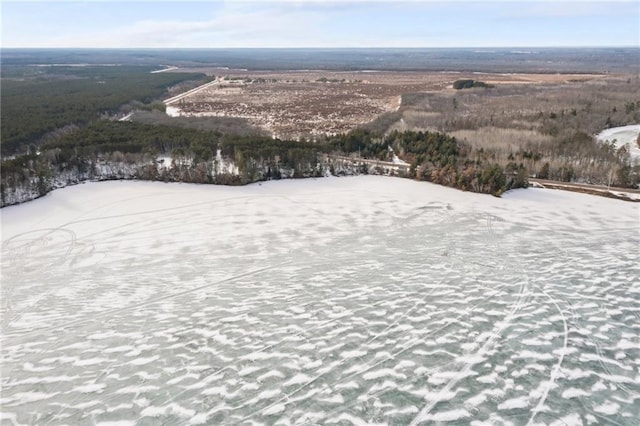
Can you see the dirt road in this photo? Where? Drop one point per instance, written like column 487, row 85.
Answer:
column 626, row 194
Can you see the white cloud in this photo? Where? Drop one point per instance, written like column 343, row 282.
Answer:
column 235, row 26
column 564, row 9
column 311, row 23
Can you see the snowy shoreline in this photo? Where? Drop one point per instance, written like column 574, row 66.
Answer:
column 23, row 197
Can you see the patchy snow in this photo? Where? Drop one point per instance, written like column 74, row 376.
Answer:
column 396, row 160
column 631, row 195
column 173, row 111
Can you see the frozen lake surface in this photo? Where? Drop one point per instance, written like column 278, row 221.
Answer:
column 330, row 301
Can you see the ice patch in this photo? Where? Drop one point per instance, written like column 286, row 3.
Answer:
column 535, row 342
column 118, row 349
column 27, row 366
column 405, row 364
column 477, row 400
column 89, row 362
column 216, row 390
column 434, row 395
column 626, row 344
column 355, row 421
column 334, row 399
column 90, row 388
column 275, row 410
column 608, row 408
column 534, row 355
column 574, row 393
column 569, row 420
column 347, row 385
column 249, row 370
column 172, row 408
column 298, row 379
column 199, row 419
column 513, row 403
column 385, row 372
column 26, row 397
column 488, row 379
column 137, row 389
column 143, row 361
column 271, row 374
column 312, row 364
column 448, row 416
column 352, row 354
column 268, row 394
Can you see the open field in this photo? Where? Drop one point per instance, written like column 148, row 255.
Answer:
column 298, row 104
column 330, row 301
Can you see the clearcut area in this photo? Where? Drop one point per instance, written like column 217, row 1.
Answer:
column 321, row 301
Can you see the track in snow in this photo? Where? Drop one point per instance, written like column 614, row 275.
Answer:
column 333, row 301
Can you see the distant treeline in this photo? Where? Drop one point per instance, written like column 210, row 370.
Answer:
column 40, row 101
column 551, row 60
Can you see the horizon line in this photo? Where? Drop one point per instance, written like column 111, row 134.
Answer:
column 325, row 47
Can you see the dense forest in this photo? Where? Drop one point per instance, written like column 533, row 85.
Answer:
column 42, row 102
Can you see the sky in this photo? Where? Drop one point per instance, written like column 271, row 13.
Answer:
column 315, row 23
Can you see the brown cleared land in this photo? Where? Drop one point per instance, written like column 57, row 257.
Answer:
column 296, row 104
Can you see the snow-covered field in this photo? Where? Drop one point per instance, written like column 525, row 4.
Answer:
column 331, row 301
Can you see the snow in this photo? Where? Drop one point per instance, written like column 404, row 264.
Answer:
column 353, row 354
column 89, row 388
column 510, row 404
column 574, row 393
column 397, row 160
column 609, row 408
column 168, row 68
column 365, row 300
column 275, row 410
column 449, row 416
column 173, row 111
column 622, row 136
column 126, row 117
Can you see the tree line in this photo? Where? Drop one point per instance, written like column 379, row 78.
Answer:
column 197, row 156
column 434, row 157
